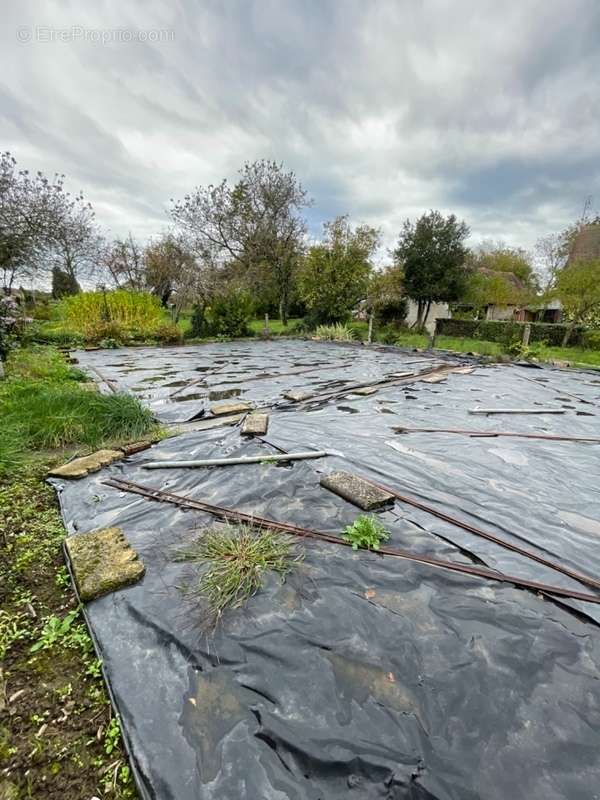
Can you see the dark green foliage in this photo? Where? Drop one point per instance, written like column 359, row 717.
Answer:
column 335, row 274
column 63, row 284
column 388, row 334
column 392, row 311
column 507, row 332
column 199, row 326
column 227, row 315
column 432, row 253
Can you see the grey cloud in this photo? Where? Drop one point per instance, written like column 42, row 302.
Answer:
column 383, row 109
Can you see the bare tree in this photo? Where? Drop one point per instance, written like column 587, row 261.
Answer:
column 123, row 259
column 77, row 245
column 171, row 272
column 256, row 222
column 28, row 206
column 42, row 226
column 551, row 255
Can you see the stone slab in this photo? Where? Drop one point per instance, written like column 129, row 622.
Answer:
column 296, row 395
column 219, row 409
column 102, row 561
column 357, row 491
column 80, row 467
column 365, row 390
column 255, row 425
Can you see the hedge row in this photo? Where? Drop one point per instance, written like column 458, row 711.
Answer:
column 507, row 332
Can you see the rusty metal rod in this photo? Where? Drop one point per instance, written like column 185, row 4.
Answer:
column 229, row 514
column 515, row 548
column 552, row 437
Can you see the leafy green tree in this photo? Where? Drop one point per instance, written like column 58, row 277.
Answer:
column 254, row 225
column 432, row 253
column 487, row 287
column 499, row 257
column 386, row 298
column 335, row 274
column 578, row 289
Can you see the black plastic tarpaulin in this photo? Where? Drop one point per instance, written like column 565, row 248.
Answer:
column 361, row 675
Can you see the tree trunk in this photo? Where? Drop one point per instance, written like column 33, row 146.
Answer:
column 283, row 310
column 426, row 313
column 417, row 323
column 568, row 333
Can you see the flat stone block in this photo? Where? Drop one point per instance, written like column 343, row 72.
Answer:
column 102, row 561
column 255, row 425
column 357, row 491
column 296, row 395
column 229, row 408
column 434, row 379
column 80, row 467
column 365, row 390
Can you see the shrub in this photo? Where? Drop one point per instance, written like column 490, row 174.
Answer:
column 132, row 311
column 228, row 315
column 388, row 334
column 101, row 331
column 199, row 325
column 366, row 532
column 168, row 333
column 235, row 559
column 63, row 284
column 335, row 333
column 591, row 340
column 393, row 311
column 506, row 332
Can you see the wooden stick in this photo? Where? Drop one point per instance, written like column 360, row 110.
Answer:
column 516, row 411
column 225, row 462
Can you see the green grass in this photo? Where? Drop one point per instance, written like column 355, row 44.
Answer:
column 44, row 406
column 235, row 559
column 276, row 326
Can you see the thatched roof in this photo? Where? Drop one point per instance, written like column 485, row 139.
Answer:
column 586, row 244
column 509, row 277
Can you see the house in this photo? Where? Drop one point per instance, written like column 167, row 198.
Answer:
column 441, row 310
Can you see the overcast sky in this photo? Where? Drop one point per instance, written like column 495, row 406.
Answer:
column 483, row 108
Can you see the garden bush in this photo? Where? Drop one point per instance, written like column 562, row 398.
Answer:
column 229, row 314
column 506, row 332
column 133, row 312
column 591, row 339
column 335, row 333
column 393, row 311
column 168, row 333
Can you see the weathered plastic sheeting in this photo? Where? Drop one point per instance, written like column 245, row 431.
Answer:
column 364, row 675
column 179, row 383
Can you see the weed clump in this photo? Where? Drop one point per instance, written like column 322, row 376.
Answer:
column 366, row 532
column 234, row 561
column 335, row 333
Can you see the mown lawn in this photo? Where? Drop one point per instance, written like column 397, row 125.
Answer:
column 58, row 736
